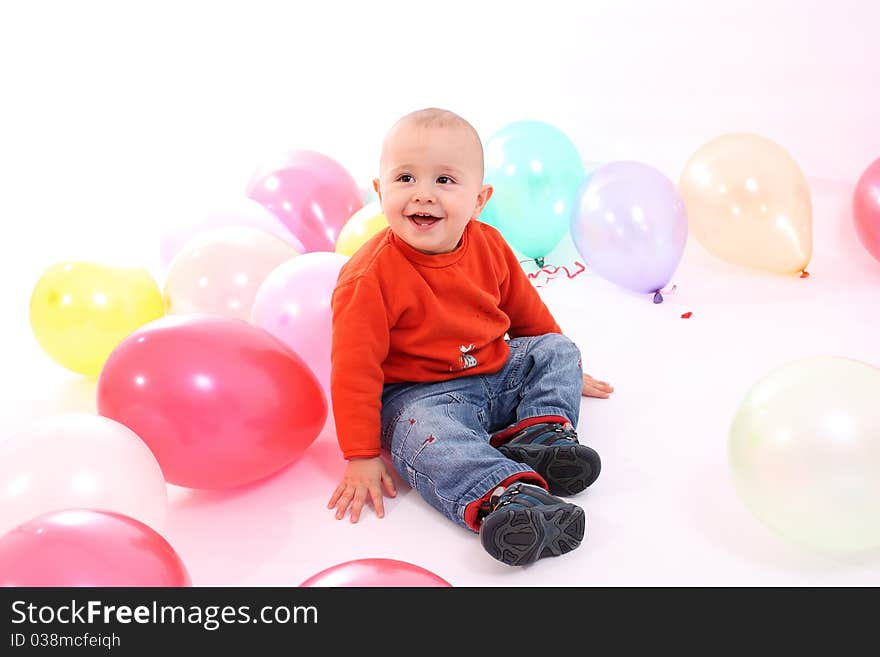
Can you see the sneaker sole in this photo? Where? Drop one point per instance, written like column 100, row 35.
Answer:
column 522, row 536
column 568, row 469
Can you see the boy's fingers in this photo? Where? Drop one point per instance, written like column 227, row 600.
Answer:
column 388, row 482
column 358, row 503
column 343, row 503
column 591, row 391
column 335, row 497
column 378, row 503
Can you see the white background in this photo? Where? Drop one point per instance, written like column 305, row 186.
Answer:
column 120, row 120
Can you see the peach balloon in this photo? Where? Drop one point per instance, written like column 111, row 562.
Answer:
column 220, row 271
column 749, row 203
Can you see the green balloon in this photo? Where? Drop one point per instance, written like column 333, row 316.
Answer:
column 536, row 171
column 805, row 453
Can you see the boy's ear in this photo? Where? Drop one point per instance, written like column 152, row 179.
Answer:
column 483, row 198
column 376, row 188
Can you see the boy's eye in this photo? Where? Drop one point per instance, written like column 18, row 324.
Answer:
column 405, row 178
column 443, row 180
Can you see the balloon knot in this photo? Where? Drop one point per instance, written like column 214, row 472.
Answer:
column 539, row 262
column 686, row 315
column 658, row 298
column 805, row 274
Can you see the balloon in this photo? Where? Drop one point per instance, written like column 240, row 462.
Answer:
column 88, row 547
column 362, row 225
column 630, row 225
column 81, row 460
column 535, row 170
column 240, row 211
column 311, row 193
column 748, row 203
column 375, row 573
column 81, row 310
column 219, row 401
column 805, row 453
column 866, row 208
column 369, row 195
column 220, row 270
column 293, row 304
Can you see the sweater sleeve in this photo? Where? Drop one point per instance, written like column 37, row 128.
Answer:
column 359, row 346
column 520, row 301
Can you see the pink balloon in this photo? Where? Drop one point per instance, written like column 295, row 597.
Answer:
column 241, row 211
column 311, row 193
column 293, row 304
column 85, row 547
column 376, row 573
column 220, row 402
column 866, row 208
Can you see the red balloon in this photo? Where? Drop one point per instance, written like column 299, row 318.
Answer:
column 375, row 573
column 219, row 401
column 312, row 194
column 866, row 208
column 86, row 547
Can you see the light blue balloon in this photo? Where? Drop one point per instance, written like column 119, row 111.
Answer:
column 630, row 225
column 536, row 171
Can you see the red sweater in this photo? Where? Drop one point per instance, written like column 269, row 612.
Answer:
column 402, row 315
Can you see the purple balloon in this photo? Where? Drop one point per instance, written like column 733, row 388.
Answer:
column 630, row 225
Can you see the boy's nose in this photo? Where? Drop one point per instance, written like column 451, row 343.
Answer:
column 422, row 196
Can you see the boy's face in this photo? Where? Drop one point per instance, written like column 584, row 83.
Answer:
column 431, row 184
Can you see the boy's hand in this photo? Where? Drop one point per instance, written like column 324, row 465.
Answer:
column 362, row 477
column 596, row 388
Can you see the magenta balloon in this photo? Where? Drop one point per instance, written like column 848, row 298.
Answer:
column 88, row 547
column 312, row 194
column 220, row 402
column 375, row 573
column 866, row 208
column 630, row 225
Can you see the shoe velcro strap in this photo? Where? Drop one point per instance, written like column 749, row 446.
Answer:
column 543, row 434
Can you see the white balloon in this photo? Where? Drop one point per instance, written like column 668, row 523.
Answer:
column 805, row 453
column 236, row 211
column 76, row 460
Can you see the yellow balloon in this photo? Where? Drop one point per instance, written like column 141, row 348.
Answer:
column 80, row 311
column 360, row 227
column 748, row 202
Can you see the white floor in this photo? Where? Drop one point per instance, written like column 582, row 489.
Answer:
column 663, row 512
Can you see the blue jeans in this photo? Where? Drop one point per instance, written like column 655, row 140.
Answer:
column 438, row 432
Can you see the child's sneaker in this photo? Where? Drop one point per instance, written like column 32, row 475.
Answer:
column 526, row 523
column 552, row 450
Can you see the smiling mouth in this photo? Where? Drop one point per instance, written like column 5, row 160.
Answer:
column 421, row 219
